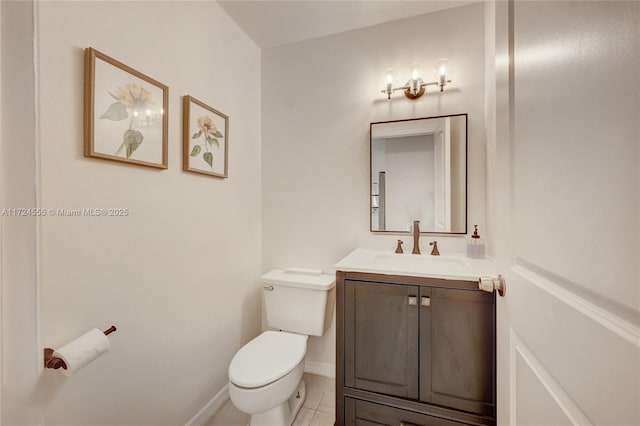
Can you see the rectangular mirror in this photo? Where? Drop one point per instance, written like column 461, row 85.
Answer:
column 419, row 172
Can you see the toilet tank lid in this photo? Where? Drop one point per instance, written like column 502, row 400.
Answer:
column 267, row 358
column 298, row 277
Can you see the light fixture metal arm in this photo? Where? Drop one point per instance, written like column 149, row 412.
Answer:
column 407, row 89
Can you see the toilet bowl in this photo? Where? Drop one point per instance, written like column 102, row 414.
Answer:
column 265, row 378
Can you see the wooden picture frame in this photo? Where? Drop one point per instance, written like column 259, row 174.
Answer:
column 126, row 113
column 204, row 146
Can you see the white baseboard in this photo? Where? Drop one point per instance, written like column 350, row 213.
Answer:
column 206, row 413
column 320, row 368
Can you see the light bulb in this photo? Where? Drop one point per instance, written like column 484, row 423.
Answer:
column 389, row 79
column 415, row 80
column 442, row 72
column 390, row 76
column 416, row 72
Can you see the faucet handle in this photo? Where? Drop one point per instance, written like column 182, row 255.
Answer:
column 434, row 251
column 399, row 247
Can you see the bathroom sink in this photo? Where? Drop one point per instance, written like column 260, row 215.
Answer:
column 423, row 263
column 455, row 267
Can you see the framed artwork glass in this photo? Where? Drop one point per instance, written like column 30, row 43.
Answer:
column 126, row 113
column 205, row 138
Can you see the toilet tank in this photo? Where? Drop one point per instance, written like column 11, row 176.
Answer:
column 299, row 300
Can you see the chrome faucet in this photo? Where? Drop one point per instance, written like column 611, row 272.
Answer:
column 416, row 237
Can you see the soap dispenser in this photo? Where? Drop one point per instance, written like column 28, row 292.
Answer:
column 475, row 245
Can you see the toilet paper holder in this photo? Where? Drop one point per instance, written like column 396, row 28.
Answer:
column 54, row 362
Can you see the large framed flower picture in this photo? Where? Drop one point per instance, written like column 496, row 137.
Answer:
column 126, row 113
column 205, row 136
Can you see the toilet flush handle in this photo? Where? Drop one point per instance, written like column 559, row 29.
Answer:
column 268, row 287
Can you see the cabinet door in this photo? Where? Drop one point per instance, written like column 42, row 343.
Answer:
column 381, row 338
column 457, row 349
column 364, row 413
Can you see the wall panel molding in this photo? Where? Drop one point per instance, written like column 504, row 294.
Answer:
column 619, row 319
column 519, row 349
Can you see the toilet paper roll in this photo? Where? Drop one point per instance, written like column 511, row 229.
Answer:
column 82, row 351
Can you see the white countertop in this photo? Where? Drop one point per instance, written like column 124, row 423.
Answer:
column 453, row 267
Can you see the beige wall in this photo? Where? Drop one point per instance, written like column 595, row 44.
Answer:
column 179, row 275
column 18, row 176
column 318, row 98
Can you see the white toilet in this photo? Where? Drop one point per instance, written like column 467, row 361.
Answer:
column 265, row 375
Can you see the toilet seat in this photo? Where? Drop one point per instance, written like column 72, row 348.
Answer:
column 267, row 358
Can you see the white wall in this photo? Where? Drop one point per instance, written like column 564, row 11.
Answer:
column 318, row 98
column 179, row 275
column 19, row 282
column 490, row 118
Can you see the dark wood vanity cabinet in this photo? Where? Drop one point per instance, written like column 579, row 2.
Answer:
column 414, row 351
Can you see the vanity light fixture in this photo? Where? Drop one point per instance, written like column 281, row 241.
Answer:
column 415, row 85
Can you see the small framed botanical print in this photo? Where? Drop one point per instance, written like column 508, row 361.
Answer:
column 205, row 138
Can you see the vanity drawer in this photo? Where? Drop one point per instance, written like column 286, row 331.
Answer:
column 364, row 413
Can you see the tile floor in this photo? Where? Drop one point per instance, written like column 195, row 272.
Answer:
column 318, row 408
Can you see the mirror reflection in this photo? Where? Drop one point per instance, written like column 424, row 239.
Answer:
column 419, row 172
